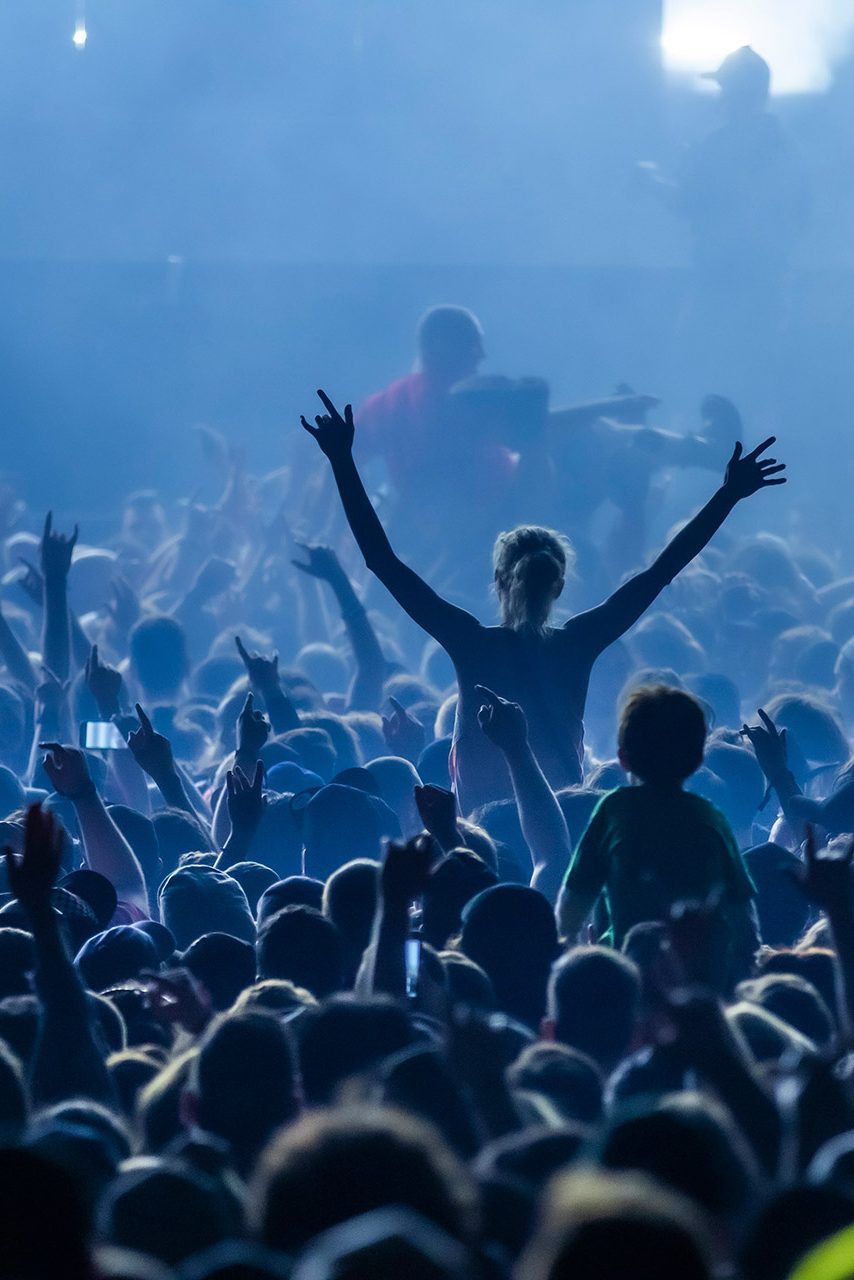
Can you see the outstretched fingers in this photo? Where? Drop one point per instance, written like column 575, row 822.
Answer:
column 760, row 448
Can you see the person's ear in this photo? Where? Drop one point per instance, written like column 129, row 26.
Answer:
column 547, row 1029
column 558, row 587
column 622, row 759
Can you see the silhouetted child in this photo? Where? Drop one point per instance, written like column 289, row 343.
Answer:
column 650, row 846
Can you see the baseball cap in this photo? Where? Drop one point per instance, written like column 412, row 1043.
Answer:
column 743, row 68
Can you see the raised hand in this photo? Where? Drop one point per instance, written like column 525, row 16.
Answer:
column 105, row 684
column 33, row 875
column 769, row 743
column 406, row 869
column 404, row 735
column 437, row 808
column 322, row 562
column 150, row 749
column 67, row 770
column 825, row 879
column 263, row 672
column 245, row 799
column 56, row 551
column 503, row 722
column 747, row 474
column 253, row 730
column 333, row 433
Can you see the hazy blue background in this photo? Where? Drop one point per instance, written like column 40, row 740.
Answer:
column 218, row 204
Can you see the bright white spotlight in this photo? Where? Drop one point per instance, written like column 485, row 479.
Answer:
column 696, row 42
column 81, row 35
column 803, row 40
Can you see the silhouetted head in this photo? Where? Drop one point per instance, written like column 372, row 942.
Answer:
column 530, row 565
column 662, row 734
column 593, row 1000
column 450, row 343
column 239, row 1048
column 744, row 78
column 335, row 1164
column 613, row 1226
column 158, row 650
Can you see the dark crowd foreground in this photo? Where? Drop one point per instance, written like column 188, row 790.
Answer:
column 338, row 948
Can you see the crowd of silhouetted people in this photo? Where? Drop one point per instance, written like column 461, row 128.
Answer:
column 347, row 936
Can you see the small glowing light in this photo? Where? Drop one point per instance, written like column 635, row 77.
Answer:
column 81, row 35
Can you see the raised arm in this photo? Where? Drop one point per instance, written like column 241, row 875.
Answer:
column 438, row 617
column 403, row 881
column 33, row 585
column 366, row 690
column 66, row 1061
column 745, row 475
column 56, row 553
column 153, row 753
column 264, row 680
column 106, row 849
column 831, row 814
column 543, row 824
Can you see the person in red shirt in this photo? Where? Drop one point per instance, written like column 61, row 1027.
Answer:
column 427, row 436
column 401, row 423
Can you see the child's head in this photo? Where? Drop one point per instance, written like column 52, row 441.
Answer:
column 662, row 734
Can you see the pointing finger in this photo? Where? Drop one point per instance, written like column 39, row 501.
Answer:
column 143, row 719
column 760, row 448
